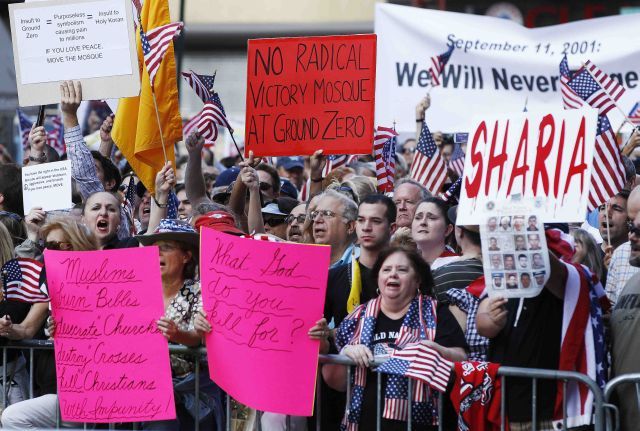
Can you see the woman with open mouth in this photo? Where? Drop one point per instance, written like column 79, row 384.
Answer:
column 430, row 230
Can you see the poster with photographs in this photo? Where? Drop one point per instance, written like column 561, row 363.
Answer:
column 515, row 258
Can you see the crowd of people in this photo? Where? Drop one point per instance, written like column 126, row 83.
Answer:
column 401, row 271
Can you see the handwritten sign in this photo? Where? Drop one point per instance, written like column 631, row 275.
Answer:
column 540, row 158
column 112, row 363
column 74, row 39
column 47, row 185
column 310, row 93
column 261, row 298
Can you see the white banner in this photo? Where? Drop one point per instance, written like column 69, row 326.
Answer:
column 534, row 162
column 496, row 66
column 47, row 185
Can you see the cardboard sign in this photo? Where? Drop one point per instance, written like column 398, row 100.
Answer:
column 261, row 299
column 112, row 362
column 540, row 158
column 515, row 256
column 61, row 40
column 47, row 185
column 311, row 93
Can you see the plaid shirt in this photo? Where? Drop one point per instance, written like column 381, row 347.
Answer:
column 468, row 303
column 620, row 271
column 84, row 172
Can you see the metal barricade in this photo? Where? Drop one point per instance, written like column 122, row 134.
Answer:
column 533, row 374
column 609, row 390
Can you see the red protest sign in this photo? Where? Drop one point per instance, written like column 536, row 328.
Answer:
column 310, row 93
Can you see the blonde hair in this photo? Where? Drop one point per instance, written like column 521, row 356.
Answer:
column 77, row 234
column 6, row 245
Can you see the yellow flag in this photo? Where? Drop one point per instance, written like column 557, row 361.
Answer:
column 135, row 130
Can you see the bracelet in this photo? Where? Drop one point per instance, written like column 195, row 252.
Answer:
column 159, row 204
column 419, row 120
column 316, row 180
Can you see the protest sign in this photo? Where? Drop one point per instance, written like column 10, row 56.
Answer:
column 542, row 159
column 261, row 298
column 496, row 65
column 112, row 362
column 57, row 40
column 47, row 185
column 311, row 93
column 515, row 257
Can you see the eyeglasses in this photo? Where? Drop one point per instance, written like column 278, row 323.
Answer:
column 58, row 245
column 265, row 187
column 633, row 230
column 300, row 219
column 323, row 213
column 274, row 221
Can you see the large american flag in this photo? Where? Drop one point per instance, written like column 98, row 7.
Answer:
column 212, row 116
column 21, row 279
column 155, row 44
column 201, row 84
column 428, row 167
column 437, row 65
column 419, row 361
column 601, row 93
column 456, row 163
column 570, row 99
column 634, row 114
column 384, row 150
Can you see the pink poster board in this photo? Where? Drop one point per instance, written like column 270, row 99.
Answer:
column 112, row 362
column 261, row 299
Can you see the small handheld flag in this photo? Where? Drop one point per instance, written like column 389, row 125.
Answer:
column 155, row 44
column 21, row 279
column 437, row 65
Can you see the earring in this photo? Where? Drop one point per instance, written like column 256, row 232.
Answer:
column 378, row 291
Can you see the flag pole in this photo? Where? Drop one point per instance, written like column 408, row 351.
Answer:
column 236, row 145
column 155, row 104
column 626, row 119
column 607, row 219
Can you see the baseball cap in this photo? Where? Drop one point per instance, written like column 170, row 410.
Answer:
column 289, row 163
column 219, row 220
column 288, row 189
column 227, row 176
column 281, row 206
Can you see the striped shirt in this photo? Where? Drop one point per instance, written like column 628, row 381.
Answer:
column 620, row 271
column 83, row 171
column 456, row 275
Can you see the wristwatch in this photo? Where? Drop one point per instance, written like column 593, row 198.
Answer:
column 41, row 159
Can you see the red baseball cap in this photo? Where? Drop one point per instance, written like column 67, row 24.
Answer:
column 219, row 220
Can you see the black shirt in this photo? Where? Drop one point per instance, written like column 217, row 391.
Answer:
column 338, row 288
column 456, row 275
column 448, row 334
column 17, row 311
column 533, row 343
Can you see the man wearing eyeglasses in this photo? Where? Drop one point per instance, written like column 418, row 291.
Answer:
column 334, row 224
column 625, row 321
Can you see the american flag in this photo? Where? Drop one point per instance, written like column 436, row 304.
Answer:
column 608, row 176
column 55, row 138
column 192, row 126
column 453, row 192
column 634, row 114
column 456, row 164
column 129, row 204
column 20, row 280
column 601, row 93
column 582, row 346
column 212, row 116
column 419, row 361
column 155, row 44
column 201, row 84
column 570, row 99
column 384, row 149
column 303, row 196
column 336, row 161
column 25, row 125
column 437, row 65
column 173, row 203
column 428, row 167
